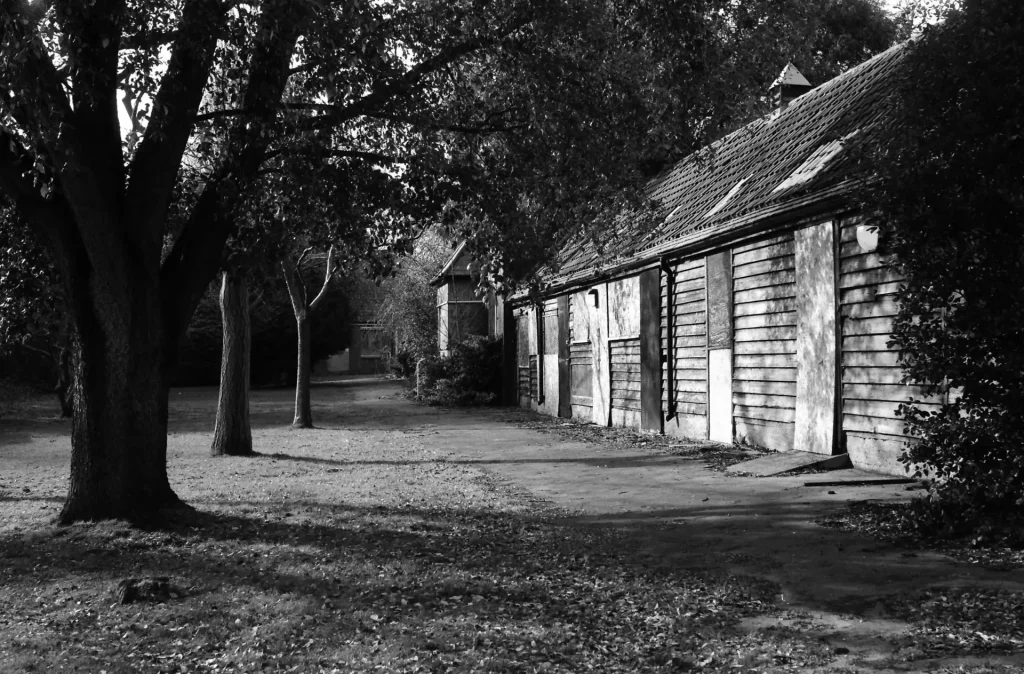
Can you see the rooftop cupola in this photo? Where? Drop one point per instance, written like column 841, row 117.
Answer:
column 789, row 85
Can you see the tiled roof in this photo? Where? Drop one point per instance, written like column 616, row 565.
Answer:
column 787, row 158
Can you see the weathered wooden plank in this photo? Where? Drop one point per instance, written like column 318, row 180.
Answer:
column 771, row 434
column 870, row 293
column 867, row 326
column 774, row 346
column 764, row 253
column 692, row 397
column 688, row 296
column 882, row 409
column 781, row 318
column 691, row 386
column 691, row 318
column 694, row 341
column 765, row 334
column 855, row 422
column 628, row 384
column 763, row 400
column 898, row 393
column 687, row 286
column 886, row 305
column 871, row 359
column 782, row 305
column 694, row 264
column 691, row 362
column 863, row 262
column 765, row 294
column 764, row 374
column 762, row 243
column 868, row 278
column 622, row 370
column 848, row 232
column 691, row 408
column 690, row 352
column 782, row 414
column 765, row 360
column 872, row 375
column 866, row 343
column 782, row 264
column 774, row 388
column 765, row 280
column 683, row 374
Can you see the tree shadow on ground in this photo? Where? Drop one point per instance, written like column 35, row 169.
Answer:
column 638, row 460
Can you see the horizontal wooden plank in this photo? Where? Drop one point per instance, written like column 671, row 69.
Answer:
column 689, row 330
column 744, row 255
column 781, row 305
column 691, row 397
column 620, row 393
column 778, row 264
column 690, row 352
column 863, row 424
column 885, row 305
column 897, row 393
column 770, row 434
column 689, row 285
column 867, row 326
column 691, row 318
column 870, row 293
column 764, row 280
column 764, row 294
column 620, row 351
column 682, row 374
column 848, row 231
column 765, row 360
column 782, row 414
column 866, row 343
column 863, row 262
column 775, row 388
column 764, row 374
column 625, row 371
column 871, row 359
column 774, row 346
column 868, row 278
column 628, row 405
column 625, row 385
column 764, row 334
column 872, row 375
column 763, row 400
column 881, row 409
column 697, row 341
column 693, row 265
column 683, row 297
column 587, row 401
column 765, row 320
column 690, row 386
column 700, row 409
column 761, row 243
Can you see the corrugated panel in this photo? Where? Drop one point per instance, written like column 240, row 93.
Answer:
column 872, row 385
column 764, row 352
column 625, row 373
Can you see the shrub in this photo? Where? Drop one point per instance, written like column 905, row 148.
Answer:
column 471, row 375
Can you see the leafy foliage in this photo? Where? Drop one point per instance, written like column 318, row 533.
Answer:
column 470, row 375
column 949, row 187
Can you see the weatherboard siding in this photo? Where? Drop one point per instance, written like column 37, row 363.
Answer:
column 764, row 342
column 685, row 388
column 872, row 378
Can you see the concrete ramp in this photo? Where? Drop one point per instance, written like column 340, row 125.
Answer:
column 785, row 462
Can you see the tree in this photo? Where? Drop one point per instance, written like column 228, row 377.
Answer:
column 232, row 434
column 484, row 95
column 32, row 316
column 949, row 189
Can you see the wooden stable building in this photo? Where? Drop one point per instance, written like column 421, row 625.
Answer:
column 758, row 311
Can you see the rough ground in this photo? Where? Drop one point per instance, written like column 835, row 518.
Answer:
column 396, row 537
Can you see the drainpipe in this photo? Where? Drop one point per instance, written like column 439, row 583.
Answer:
column 670, row 384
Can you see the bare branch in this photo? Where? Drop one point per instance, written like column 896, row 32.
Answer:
column 327, row 280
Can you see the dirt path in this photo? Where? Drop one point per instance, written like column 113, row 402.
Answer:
column 858, row 596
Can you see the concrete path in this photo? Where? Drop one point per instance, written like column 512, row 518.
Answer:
column 690, row 517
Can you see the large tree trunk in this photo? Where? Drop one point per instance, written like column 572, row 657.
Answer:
column 119, row 427
column 232, row 433
column 303, row 413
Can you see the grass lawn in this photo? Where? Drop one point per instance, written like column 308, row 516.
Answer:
column 353, row 547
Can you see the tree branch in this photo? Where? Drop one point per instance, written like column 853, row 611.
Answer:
column 327, row 280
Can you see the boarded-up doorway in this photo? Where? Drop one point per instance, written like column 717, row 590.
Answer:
column 815, row 339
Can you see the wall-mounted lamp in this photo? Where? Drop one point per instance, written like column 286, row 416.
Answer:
column 867, row 237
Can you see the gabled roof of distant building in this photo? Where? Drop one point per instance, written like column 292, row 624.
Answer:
column 452, row 267
column 781, row 162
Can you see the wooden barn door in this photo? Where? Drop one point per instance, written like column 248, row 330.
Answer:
column 815, row 339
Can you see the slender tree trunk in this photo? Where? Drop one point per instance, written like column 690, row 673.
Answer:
column 303, row 413
column 119, row 427
column 232, row 433
column 64, row 380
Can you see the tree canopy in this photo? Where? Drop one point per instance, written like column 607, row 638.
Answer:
column 949, row 189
